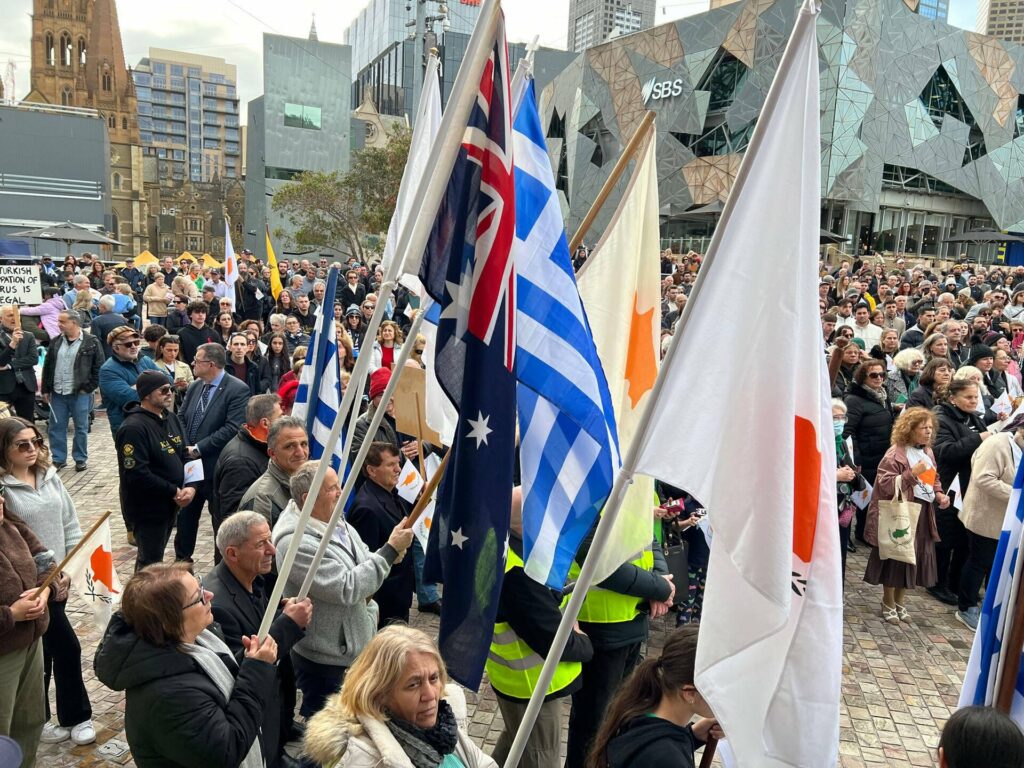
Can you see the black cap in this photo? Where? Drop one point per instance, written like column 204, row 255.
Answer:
column 148, row 382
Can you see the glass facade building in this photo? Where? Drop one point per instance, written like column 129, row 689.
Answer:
column 591, row 22
column 188, row 115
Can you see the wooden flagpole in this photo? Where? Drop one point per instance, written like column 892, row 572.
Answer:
column 428, row 492
column 621, row 164
column 1006, row 686
column 74, row 551
column 709, row 752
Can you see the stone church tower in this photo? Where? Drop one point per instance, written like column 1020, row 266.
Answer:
column 78, row 61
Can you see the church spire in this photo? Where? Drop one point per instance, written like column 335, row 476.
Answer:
column 312, row 30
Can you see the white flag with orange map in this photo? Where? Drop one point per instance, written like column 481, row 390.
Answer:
column 94, row 577
column 410, row 483
column 621, row 292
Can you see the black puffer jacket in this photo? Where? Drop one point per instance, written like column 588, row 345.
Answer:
column 958, row 438
column 175, row 716
column 240, row 465
column 869, row 423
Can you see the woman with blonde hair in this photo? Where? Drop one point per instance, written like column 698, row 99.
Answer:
column 910, row 463
column 395, row 708
column 902, row 380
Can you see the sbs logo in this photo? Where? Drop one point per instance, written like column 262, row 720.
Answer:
column 654, row 90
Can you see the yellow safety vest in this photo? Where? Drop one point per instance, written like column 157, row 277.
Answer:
column 602, row 606
column 513, row 667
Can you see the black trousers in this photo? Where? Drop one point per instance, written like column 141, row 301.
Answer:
column 602, row 676
column 188, row 521
column 317, row 682
column 981, row 552
column 951, row 551
column 152, row 534
column 22, row 402
column 62, row 660
column 844, row 541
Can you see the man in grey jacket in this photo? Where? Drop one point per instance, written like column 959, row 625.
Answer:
column 342, row 588
column 288, row 448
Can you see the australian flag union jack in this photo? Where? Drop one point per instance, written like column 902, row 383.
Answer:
column 468, row 271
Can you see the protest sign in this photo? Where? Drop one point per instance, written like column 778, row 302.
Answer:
column 20, row 285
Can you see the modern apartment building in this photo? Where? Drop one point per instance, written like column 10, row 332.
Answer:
column 188, row 115
column 1001, row 18
column 591, row 22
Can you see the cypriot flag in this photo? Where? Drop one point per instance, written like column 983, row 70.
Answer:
column 744, row 424
column 621, row 291
column 93, row 575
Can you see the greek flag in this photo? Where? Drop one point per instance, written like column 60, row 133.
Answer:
column 568, row 446
column 987, row 661
column 320, row 380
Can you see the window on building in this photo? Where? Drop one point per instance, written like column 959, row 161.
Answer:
column 124, row 123
column 115, row 225
column 65, row 49
column 115, row 181
column 67, row 99
column 107, row 84
column 81, row 50
column 281, row 174
column 51, row 54
column 177, row 70
column 301, row 116
column 941, row 97
column 723, row 80
column 112, row 121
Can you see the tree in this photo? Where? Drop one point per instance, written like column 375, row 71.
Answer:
column 338, row 210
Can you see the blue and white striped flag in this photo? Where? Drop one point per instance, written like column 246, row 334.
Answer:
column 568, row 446
column 987, row 661
column 320, row 380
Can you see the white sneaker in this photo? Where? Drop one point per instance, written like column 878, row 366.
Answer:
column 83, row 733
column 54, row 734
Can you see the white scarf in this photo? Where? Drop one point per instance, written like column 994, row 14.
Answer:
column 207, row 651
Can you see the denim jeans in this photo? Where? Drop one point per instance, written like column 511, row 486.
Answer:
column 64, row 408
column 425, row 593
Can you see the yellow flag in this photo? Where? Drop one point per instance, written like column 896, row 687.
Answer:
column 620, row 285
column 275, row 275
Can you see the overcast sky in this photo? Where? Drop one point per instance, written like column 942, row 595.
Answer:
column 232, row 29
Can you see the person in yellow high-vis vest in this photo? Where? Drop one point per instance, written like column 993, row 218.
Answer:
column 528, row 617
column 615, row 618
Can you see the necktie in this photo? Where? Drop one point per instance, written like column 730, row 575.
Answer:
column 197, row 414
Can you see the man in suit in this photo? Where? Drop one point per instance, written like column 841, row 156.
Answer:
column 18, row 356
column 212, row 412
column 239, row 602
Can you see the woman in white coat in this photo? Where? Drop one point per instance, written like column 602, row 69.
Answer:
column 395, row 709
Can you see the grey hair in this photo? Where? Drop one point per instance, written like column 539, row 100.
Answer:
column 107, row 303
column 907, row 357
column 73, row 316
column 234, row 531
column 285, row 422
column 276, row 317
column 302, row 481
column 837, row 403
column 215, row 353
column 260, row 407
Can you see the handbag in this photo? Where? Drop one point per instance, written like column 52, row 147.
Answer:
column 897, row 527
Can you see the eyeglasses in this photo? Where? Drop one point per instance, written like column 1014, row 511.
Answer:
column 129, row 343
column 199, row 600
column 368, row 306
column 25, row 446
column 197, row 361
column 164, row 390
column 876, row 375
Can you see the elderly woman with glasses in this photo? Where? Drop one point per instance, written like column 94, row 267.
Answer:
column 869, row 423
column 35, row 493
column 902, row 380
column 188, row 701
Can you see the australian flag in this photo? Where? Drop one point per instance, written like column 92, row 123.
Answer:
column 468, row 271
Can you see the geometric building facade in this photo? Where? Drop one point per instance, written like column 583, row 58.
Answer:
column 922, row 124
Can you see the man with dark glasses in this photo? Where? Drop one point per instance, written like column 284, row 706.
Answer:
column 119, row 372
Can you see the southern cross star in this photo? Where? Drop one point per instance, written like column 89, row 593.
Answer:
column 458, row 539
column 479, row 429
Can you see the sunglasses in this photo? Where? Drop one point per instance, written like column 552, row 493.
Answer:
column 164, row 390
column 876, row 375
column 26, row 446
column 202, row 595
column 130, row 343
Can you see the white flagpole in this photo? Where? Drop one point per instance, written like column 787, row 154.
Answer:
column 626, row 472
column 411, row 245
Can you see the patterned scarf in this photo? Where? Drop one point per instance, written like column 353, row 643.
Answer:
column 427, row 747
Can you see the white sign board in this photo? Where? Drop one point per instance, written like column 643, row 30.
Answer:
column 20, row 285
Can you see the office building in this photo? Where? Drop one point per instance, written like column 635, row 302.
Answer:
column 938, row 10
column 78, row 61
column 188, row 115
column 1002, row 18
column 591, row 22
column 921, row 122
column 55, row 163
column 302, row 122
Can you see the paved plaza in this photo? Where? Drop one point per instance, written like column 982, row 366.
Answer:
column 900, row 683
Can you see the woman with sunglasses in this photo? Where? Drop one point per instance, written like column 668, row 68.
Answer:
column 26, row 562
column 869, row 421
column 34, row 492
column 188, row 701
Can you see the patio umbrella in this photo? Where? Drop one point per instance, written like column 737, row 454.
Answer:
column 67, row 233
column 831, row 237
column 984, row 236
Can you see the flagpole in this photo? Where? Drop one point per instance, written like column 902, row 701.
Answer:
column 74, row 551
column 1009, row 667
column 613, row 179
column 428, row 491
column 625, row 474
column 411, row 245
column 357, row 463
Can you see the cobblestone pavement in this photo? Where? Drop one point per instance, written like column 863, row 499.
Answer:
column 900, row 683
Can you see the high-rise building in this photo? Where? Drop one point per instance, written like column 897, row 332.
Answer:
column 1002, row 18
column 591, row 22
column 934, row 9
column 385, row 22
column 78, row 61
column 302, row 122
column 188, row 115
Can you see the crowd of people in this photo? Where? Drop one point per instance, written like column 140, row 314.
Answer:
column 198, row 379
